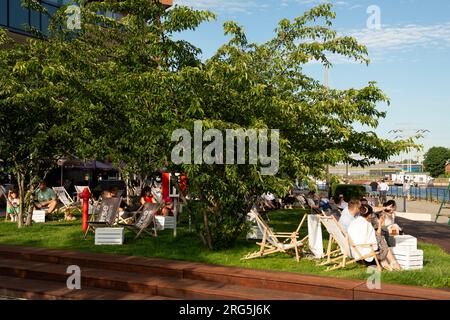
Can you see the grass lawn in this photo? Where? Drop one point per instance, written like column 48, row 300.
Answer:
column 187, row 246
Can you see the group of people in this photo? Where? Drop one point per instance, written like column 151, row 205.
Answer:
column 379, row 189
column 153, row 194
column 364, row 226
column 46, row 199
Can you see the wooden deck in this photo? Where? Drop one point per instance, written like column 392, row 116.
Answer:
column 35, row 273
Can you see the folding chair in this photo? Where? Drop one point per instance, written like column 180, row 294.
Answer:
column 147, row 217
column 105, row 214
column 276, row 242
column 80, row 189
column 64, row 198
column 348, row 252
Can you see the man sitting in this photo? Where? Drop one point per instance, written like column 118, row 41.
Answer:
column 349, row 213
column 45, row 198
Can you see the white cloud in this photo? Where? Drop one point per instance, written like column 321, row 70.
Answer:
column 404, row 37
column 397, row 44
column 229, row 6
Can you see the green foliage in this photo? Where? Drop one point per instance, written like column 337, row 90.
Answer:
column 350, row 191
column 435, row 160
column 119, row 88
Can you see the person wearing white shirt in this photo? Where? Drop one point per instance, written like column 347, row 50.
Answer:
column 349, row 213
column 362, row 232
column 341, row 202
column 383, row 188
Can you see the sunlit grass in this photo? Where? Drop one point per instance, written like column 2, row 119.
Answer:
column 187, row 246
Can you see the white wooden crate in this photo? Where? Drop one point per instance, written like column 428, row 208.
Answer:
column 39, row 216
column 406, row 241
column 162, row 222
column 109, row 236
column 407, row 258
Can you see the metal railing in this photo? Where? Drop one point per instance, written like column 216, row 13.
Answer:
column 433, row 194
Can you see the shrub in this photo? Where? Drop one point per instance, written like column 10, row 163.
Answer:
column 349, row 191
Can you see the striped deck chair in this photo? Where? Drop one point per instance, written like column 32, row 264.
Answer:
column 105, row 214
column 146, row 218
column 276, row 242
column 347, row 252
column 64, row 198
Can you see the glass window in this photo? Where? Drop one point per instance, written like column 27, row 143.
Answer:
column 45, row 20
column 18, row 16
column 35, row 20
column 3, row 8
column 56, row 2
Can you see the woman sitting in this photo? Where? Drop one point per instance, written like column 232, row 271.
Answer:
column 389, row 224
column 361, row 231
column 147, row 196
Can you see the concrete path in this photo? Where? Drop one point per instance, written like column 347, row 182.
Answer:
column 428, row 232
column 430, row 210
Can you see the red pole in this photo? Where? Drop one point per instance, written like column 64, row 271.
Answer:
column 85, row 195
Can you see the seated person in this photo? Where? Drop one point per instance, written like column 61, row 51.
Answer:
column 268, row 200
column 361, row 231
column 322, row 206
column 389, row 218
column 365, row 203
column 12, row 205
column 113, row 192
column 45, row 198
column 342, row 204
column 167, row 209
column 146, row 196
column 349, row 213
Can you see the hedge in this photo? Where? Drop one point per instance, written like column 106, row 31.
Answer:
column 349, row 191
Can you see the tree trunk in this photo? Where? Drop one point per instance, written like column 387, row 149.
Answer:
column 21, row 183
column 208, row 233
column 29, row 221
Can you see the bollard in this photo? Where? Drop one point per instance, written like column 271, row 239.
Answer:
column 85, row 195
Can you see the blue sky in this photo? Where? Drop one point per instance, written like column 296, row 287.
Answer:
column 409, row 53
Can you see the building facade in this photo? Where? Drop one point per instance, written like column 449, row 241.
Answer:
column 15, row 18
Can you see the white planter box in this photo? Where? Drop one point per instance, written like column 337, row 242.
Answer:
column 39, row 216
column 408, row 259
column 109, row 236
column 165, row 222
column 406, row 241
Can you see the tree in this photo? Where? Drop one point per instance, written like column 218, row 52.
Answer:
column 29, row 99
column 124, row 86
column 435, row 160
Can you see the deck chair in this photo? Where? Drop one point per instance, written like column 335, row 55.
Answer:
column 146, row 218
column 80, row 189
column 105, row 214
column 64, row 198
column 343, row 256
column 276, row 242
